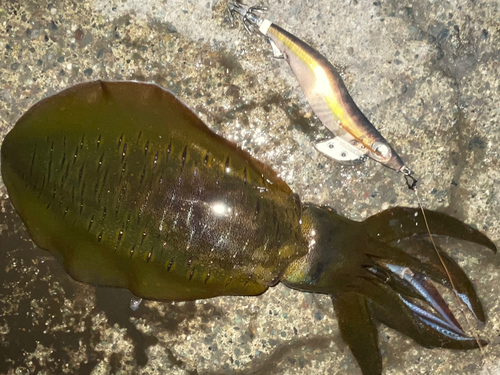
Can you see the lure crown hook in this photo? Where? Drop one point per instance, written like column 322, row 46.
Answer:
column 250, row 16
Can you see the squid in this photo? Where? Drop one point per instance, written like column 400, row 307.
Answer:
column 142, row 195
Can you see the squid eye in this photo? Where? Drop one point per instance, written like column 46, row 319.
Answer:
column 382, row 149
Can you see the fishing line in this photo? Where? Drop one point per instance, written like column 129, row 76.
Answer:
column 412, row 185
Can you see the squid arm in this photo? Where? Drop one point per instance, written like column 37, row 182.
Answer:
column 373, row 274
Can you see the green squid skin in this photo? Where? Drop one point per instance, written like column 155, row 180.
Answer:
column 132, row 190
column 129, row 188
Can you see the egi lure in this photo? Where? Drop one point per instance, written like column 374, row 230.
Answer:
column 355, row 136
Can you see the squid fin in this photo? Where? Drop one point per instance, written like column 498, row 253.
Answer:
column 359, row 331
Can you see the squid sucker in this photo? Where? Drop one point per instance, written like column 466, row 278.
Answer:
column 130, row 189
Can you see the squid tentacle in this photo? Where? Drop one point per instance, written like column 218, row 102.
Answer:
column 424, row 251
column 432, row 268
column 428, row 317
column 408, row 292
column 396, row 312
column 410, row 288
column 431, row 295
column 436, row 322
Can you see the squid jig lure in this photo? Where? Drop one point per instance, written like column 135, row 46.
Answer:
column 355, row 137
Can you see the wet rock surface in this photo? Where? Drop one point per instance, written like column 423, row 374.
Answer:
column 426, row 73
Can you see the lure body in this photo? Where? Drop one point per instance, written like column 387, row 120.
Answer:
column 131, row 189
column 328, row 96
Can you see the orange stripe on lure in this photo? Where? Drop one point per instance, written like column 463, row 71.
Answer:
column 355, row 136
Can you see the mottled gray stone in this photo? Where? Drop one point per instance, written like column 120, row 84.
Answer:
column 425, row 72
